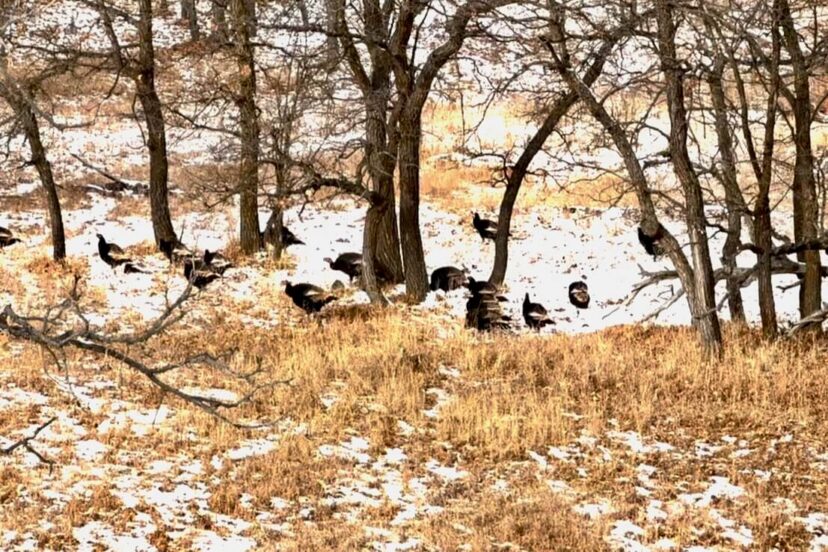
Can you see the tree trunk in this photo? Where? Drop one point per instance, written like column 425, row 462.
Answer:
column 249, row 126
column 806, row 215
column 381, row 163
column 273, row 232
column 218, row 13
column 188, row 12
column 704, row 312
column 764, row 171
column 156, row 130
column 518, row 173
column 416, row 278
column 734, row 201
column 44, row 170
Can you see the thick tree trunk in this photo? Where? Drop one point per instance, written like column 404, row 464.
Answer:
column 734, row 201
column 156, row 130
column 249, row 126
column 806, row 215
column 416, row 278
column 381, row 163
column 704, row 312
column 44, row 170
column 188, row 12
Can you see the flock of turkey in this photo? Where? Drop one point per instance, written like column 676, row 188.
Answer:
column 483, row 308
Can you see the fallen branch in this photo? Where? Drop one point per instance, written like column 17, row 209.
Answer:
column 26, row 443
column 45, row 331
column 816, row 318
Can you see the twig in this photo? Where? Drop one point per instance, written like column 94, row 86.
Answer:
column 26, row 443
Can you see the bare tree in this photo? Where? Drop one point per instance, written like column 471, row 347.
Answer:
column 413, row 84
column 141, row 69
column 19, row 93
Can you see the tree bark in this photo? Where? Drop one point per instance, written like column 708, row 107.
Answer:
column 218, row 13
column 704, row 312
column 518, row 173
column 416, row 277
column 734, row 201
column 44, row 169
column 188, row 12
column 806, row 215
column 249, row 126
column 156, row 129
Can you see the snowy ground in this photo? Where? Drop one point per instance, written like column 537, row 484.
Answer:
column 119, row 490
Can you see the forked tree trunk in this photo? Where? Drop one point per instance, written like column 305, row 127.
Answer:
column 249, row 126
column 156, row 130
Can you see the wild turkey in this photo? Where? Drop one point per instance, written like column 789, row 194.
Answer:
column 485, row 227
column 175, row 251
column 478, row 287
column 289, row 238
column 652, row 243
column 111, row 253
column 447, row 278
column 350, row 263
column 216, row 262
column 200, row 278
column 483, row 313
column 579, row 294
column 7, row 237
column 535, row 314
column 308, row 297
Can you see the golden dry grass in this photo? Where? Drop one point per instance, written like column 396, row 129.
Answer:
column 515, row 393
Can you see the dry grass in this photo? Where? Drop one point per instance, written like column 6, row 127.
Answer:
column 515, row 393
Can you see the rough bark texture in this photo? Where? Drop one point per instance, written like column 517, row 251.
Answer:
column 381, row 242
column 734, row 201
column 806, row 215
column 156, row 130
column 249, row 127
column 704, row 312
column 416, row 276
